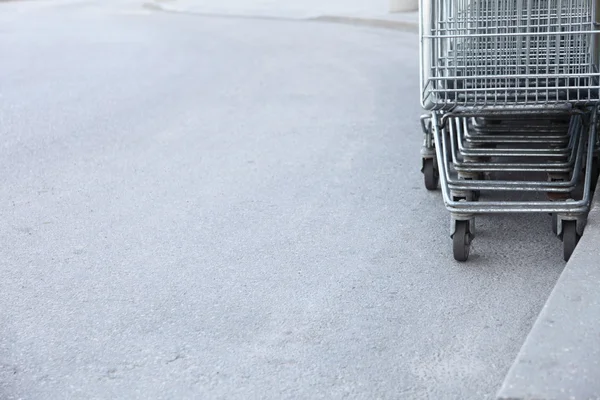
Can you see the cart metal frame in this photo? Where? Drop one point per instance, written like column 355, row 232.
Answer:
column 513, row 88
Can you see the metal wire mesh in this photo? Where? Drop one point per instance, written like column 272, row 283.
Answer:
column 494, row 53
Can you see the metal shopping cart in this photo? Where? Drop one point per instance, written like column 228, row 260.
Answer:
column 513, row 88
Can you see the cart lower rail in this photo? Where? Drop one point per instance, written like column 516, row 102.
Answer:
column 479, row 165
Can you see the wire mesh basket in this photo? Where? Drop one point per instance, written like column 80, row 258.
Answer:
column 509, row 53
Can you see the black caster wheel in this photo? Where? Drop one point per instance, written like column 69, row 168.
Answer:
column 430, row 174
column 554, row 223
column 461, row 240
column 595, row 172
column 569, row 238
column 474, row 196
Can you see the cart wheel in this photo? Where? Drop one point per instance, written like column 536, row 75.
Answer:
column 461, row 241
column 569, row 237
column 595, row 172
column 554, row 223
column 430, row 174
column 473, row 195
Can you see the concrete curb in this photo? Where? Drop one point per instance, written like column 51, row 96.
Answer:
column 560, row 358
column 375, row 22
column 175, row 10
column 371, row 22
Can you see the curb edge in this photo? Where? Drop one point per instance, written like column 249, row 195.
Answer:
column 373, row 22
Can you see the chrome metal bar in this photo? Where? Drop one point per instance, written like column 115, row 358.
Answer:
column 482, row 207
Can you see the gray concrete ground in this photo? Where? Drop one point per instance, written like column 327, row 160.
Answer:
column 230, row 208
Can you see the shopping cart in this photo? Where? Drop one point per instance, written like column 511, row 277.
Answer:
column 513, row 88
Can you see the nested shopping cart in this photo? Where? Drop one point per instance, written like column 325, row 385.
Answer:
column 512, row 88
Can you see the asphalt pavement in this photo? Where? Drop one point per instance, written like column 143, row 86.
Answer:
column 232, row 208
